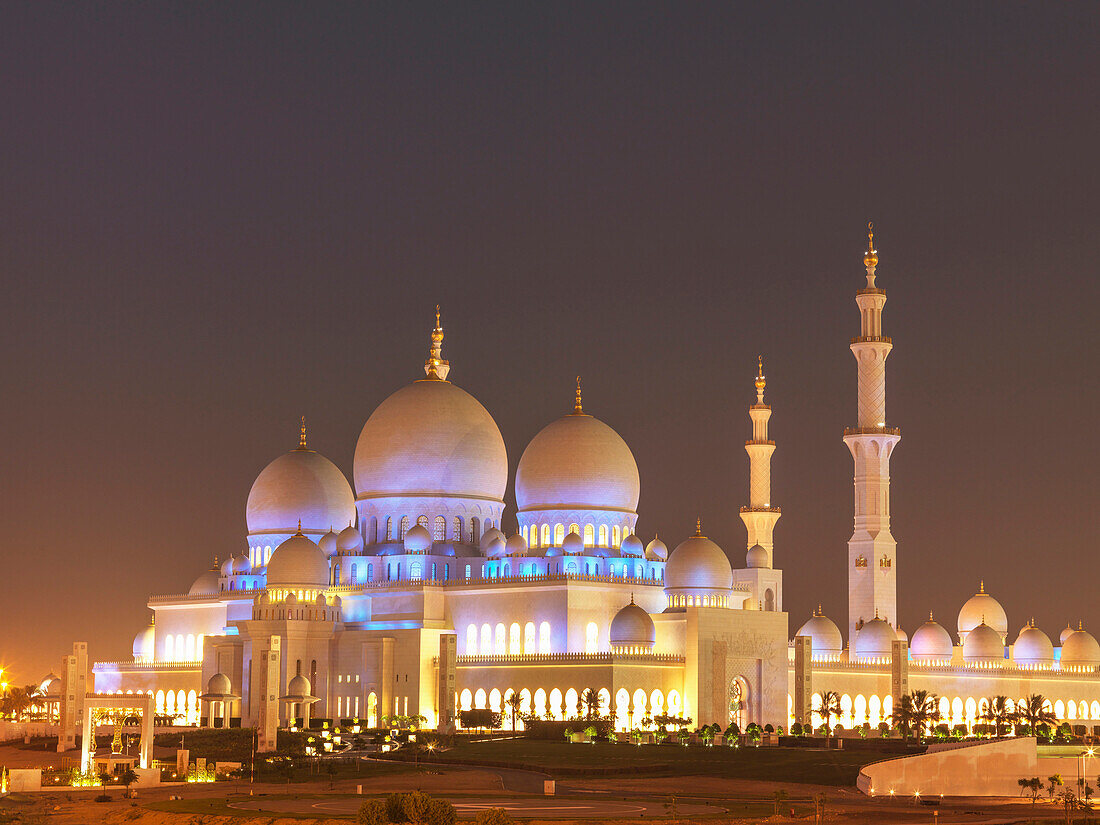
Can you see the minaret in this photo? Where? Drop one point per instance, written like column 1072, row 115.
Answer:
column 872, row 568
column 760, row 516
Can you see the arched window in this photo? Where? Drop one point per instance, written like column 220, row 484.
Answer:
column 574, row 528
column 415, row 570
column 468, row 571
column 571, row 568
column 433, row 571
column 529, row 638
column 572, row 702
column 471, row 640
column 198, row 646
column 404, row 528
column 615, row 539
column 1060, row 709
column 523, row 533
column 479, row 698
column 267, row 554
column 169, row 648
column 422, row 521
column 589, row 535
column 475, row 530
column 500, row 646
column 559, row 534
column 494, row 700
column 544, row 637
column 372, row 531
column 336, row 574
column 545, row 541
column 514, row 645
column 389, row 528
column 354, row 574
column 603, row 535
column 466, row 701
column 440, row 528
column 456, row 529
column 486, row 640
column 555, row 708
column 591, row 637
column 370, row 571
column 769, row 600
column 170, row 704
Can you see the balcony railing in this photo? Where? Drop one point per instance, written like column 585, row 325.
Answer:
column 872, row 431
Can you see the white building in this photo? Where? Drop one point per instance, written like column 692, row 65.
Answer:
column 404, row 596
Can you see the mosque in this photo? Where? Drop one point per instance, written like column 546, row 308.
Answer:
column 402, row 595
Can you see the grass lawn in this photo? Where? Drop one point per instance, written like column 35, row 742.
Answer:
column 813, row 766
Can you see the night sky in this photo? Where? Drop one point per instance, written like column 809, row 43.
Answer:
column 215, row 218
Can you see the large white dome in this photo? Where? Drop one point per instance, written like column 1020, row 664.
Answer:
column 874, row 640
column 297, row 562
column 979, row 608
column 145, row 644
column 632, row 627
column 825, row 638
column 1033, row 648
column 577, row 462
column 301, row 484
column 983, row 645
column 431, row 439
column 698, row 564
column 931, row 642
column 1080, row 650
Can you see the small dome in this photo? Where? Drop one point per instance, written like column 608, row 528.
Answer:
column 632, row 627
column 349, row 542
column 227, row 567
column 218, row 685
column 300, row 485
column 418, row 539
column 241, row 564
column 552, row 551
column 698, row 563
column 1033, row 648
column 874, row 640
column 756, row 557
column 493, row 545
column 577, row 462
column 491, row 536
column 145, row 644
column 979, row 608
column 296, row 562
column 207, row 584
column 983, row 645
column 516, row 546
column 825, row 638
column 328, row 543
column 631, row 547
column 1065, row 634
column 299, row 686
column 931, row 642
column 53, row 685
column 656, row 550
column 902, row 635
column 1080, row 650
column 572, row 543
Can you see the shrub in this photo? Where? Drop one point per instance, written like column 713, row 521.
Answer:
column 103, row 797
column 769, row 729
column 796, row 729
column 372, row 812
column 493, row 816
column 733, row 730
column 441, row 812
column 395, row 808
column 414, row 807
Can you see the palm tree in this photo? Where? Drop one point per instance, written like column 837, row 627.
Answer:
column 901, row 717
column 591, row 701
column 1035, row 713
column 830, row 707
column 914, row 712
column 1000, row 715
column 1053, row 782
column 514, row 702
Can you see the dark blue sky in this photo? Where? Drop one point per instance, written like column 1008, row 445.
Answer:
column 217, row 217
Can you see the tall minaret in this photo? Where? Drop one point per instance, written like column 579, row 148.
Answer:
column 872, row 564
column 760, row 516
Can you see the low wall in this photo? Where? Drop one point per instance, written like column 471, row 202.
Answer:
column 24, row 779
column 984, row 769
column 11, row 731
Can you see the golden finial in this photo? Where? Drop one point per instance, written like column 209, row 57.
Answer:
column 820, row 612
column 577, row 408
column 632, row 598
column 930, row 616
column 981, row 586
column 1080, row 625
column 760, row 380
column 435, row 367
column 302, row 435
column 870, row 257
column 699, row 527
column 299, row 528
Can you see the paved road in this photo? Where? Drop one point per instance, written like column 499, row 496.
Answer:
column 526, row 807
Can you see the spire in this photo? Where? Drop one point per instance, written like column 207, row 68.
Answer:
column 870, row 257
column 699, row 527
column 435, row 367
column 299, row 528
column 578, row 409
column 632, row 597
column 981, row 586
column 930, row 616
column 761, row 382
column 302, row 435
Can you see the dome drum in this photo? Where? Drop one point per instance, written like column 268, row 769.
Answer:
column 459, row 521
column 602, row 531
